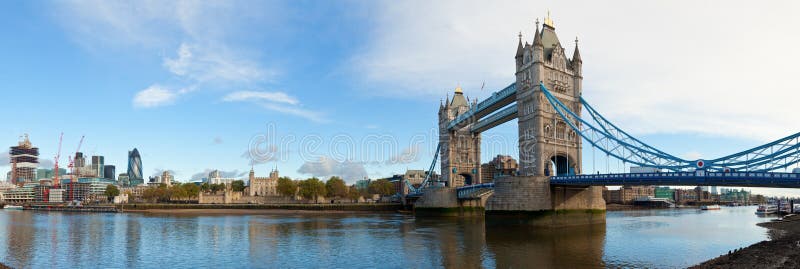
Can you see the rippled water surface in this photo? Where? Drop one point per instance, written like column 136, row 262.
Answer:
column 647, row 238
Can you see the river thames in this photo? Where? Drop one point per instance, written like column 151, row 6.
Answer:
column 641, row 238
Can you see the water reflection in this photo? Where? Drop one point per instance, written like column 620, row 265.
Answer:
column 656, row 238
column 570, row 247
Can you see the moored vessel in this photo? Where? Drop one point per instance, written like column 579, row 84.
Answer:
column 767, row 209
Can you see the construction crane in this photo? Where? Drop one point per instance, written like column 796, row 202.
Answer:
column 56, row 181
column 71, row 166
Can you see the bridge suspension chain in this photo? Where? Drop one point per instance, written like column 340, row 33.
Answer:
column 622, row 148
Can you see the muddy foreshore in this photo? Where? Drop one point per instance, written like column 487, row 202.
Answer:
column 782, row 251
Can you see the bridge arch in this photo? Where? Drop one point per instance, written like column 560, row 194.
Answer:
column 468, row 178
column 561, row 164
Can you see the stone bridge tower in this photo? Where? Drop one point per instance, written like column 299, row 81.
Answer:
column 545, row 140
column 460, row 149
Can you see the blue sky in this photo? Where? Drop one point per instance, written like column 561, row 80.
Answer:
column 195, row 84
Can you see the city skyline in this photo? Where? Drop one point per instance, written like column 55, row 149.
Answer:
column 193, row 95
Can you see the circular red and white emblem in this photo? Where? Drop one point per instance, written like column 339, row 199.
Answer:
column 700, row 163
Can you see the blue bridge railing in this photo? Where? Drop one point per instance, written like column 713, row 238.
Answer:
column 696, row 178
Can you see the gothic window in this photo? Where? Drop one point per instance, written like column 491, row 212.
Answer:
column 548, row 131
column 561, row 129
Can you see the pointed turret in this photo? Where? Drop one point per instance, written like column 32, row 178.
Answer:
column 537, row 37
column 576, row 56
column 519, row 47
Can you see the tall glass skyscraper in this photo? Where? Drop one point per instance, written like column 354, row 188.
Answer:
column 135, row 167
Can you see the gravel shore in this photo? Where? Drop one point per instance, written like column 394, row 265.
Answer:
column 782, row 251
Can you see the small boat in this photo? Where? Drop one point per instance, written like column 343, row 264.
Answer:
column 710, row 207
column 767, row 209
column 13, row 207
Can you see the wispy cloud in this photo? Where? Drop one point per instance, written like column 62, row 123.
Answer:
column 276, row 101
column 208, row 53
column 203, row 64
column 278, row 97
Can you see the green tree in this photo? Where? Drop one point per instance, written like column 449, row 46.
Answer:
column 237, row 185
column 382, row 187
column 286, row 186
column 353, row 193
column 312, row 188
column 205, row 187
column 111, row 191
column 217, row 187
column 184, row 191
column 335, row 187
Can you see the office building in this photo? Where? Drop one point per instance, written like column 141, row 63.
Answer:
column 24, row 159
column 109, row 171
column 135, row 167
column 98, row 166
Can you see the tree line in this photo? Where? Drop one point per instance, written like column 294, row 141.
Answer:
column 310, row 188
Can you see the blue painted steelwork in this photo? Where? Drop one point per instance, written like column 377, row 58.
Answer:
column 614, row 146
column 474, row 191
column 614, row 141
column 613, row 130
column 696, row 178
column 495, row 119
column 498, row 99
column 426, row 182
column 775, row 155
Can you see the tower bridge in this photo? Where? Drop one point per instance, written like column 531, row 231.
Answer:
column 546, row 99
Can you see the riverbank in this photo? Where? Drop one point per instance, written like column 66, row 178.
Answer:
column 782, row 251
column 248, row 209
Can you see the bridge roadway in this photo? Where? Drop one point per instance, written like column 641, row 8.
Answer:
column 496, row 101
column 696, row 178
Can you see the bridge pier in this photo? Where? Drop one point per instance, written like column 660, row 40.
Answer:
column 444, row 202
column 531, row 200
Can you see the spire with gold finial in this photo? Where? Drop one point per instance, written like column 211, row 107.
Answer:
column 548, row 21
column 458, row 89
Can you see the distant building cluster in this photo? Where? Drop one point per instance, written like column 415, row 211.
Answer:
column 502, row 165
column 700, row 194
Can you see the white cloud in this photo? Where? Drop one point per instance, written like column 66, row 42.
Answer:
column 159, row 172
column 204, row 64
column 223, row 173
column 326, row 167
column 409, row 155
column 208, row 51
column 278, row 97
column 651, row 67
column 155, row 96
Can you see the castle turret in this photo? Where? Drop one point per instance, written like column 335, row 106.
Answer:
column 538, row 48
column 576, row 59
column 520, row 52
